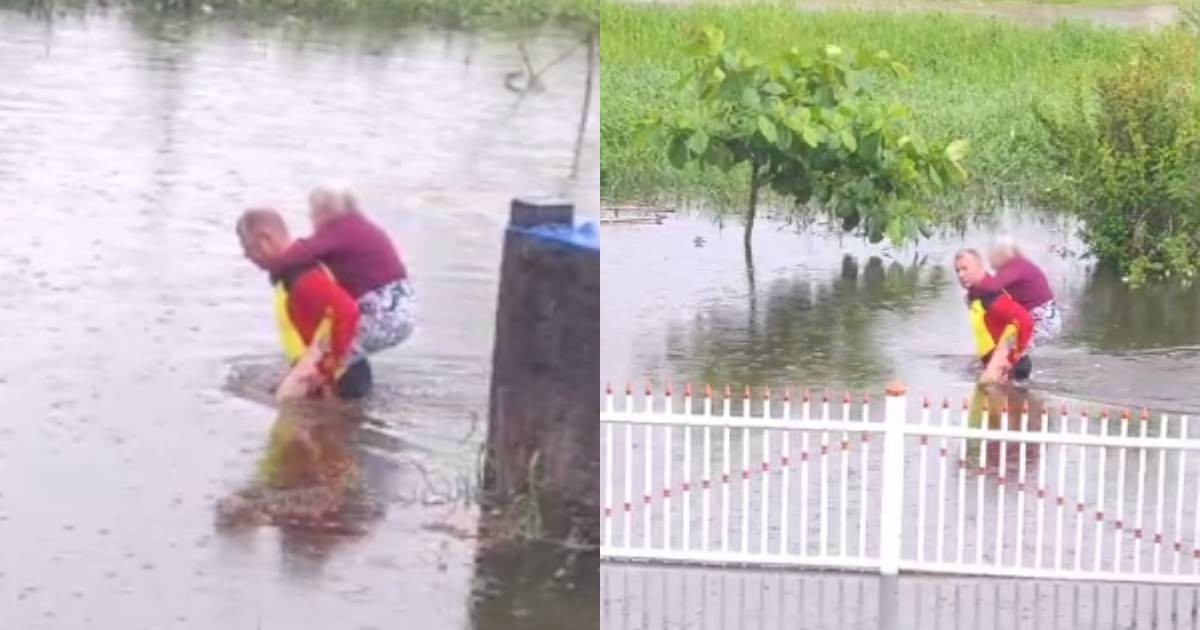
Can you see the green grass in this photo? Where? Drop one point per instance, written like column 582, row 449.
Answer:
column 972, row 77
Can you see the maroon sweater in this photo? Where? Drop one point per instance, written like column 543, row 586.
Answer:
column 358, row 252
column 1021, row 279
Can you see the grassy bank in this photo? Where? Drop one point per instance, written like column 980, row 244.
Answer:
column 972, row 78
column 440, row 12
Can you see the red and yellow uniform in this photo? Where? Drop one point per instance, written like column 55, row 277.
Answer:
column 995, row 316
column 311, row 306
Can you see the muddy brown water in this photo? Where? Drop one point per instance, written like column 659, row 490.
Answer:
column 138, row 344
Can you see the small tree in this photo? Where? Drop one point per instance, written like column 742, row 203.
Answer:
column 810, row 130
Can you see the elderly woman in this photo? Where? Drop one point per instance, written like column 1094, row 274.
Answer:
column 1026, row 284
column 364, row 261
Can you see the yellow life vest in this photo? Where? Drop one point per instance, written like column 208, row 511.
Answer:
column 293, row 342
column 984, row 344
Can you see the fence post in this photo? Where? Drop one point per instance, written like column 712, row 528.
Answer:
column 892, row 505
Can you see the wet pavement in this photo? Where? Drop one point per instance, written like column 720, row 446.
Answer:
column 139, row 346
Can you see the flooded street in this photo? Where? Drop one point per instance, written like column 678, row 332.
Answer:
column 820, row 311
column 139, row 345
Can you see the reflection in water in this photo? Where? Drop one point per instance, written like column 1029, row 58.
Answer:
column 1111, row 317
column 823, row 311
column 308, row 478
column 533, row 584
column 646, row 598
column 807, row 332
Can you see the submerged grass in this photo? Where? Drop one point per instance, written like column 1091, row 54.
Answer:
column 972, row 77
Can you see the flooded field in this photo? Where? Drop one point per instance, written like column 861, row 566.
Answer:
column 819, row 311
column 139, row 345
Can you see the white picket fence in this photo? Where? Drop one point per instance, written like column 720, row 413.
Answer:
column 1047, row 495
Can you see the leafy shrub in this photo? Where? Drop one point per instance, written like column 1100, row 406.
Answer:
column 813, row 132
column 1129, row 151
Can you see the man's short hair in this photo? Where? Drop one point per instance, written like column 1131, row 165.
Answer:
column 258, row 220
column 973, row 253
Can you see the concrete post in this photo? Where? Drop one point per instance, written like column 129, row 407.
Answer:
column 544, row 409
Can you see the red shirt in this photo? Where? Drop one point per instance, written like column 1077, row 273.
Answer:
column 1000, row 311
column 358, row 252
column 312, row 295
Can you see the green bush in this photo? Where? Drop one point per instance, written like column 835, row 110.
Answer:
column 1129, row 152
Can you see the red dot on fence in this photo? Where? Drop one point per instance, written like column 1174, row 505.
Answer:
column 668, row 389
column 825, row 396
column 846, row 398
column 728, row 391
column 787, row 395
column 1060, row 501
column 804, row 456
column 766, row 393
column 1063, row 411
column 649, row 388
column 628, row 389
column 607, row 512
column 1137, row 533
column 1099, row 516
column 708, row 390
column 1158, row 539
column 747, row 392
column 745, row 474
column 1125, row 414
column 687, row 390
column 783, row 461
column 766, row 466
column 945, row 403
column 1084, row 413
column 647, row 499
column 687, row 486
column 608, row 388
column 925, row 402
column 866, row 399
column 1119, row 524
column 628, row 506
column 1145, row 414
column 966, row 405
column 704, row 484
column 807, row 395
column 725, row 477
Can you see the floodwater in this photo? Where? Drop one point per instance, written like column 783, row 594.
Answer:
column 817, row 311
column 820, row 311
column 641, row 597
column 138, row 345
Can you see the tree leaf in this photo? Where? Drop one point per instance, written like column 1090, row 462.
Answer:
column 848, row 140
column 785, row 139
column 957, row 150
column 677, row 151
column 698, row 142
column 767, row 129
column 750, row 98
column 812, row 135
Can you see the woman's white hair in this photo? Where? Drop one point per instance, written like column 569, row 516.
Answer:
column 336, row 194
column 1006, row 242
